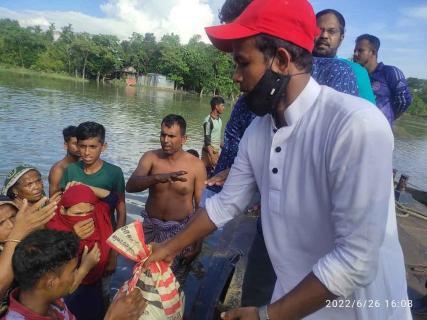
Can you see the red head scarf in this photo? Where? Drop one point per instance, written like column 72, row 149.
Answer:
column 78, row 194
column 101, row 216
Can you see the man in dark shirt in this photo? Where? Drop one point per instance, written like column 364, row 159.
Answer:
column 388, row 82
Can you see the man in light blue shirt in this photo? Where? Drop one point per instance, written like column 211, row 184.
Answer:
column 332, row 28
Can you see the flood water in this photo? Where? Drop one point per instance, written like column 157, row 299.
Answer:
column 33, row 112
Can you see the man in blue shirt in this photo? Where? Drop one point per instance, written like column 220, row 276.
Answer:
column 332, row 28
column 388, row 82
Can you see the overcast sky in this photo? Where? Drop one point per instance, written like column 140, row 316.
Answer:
column 400, row 25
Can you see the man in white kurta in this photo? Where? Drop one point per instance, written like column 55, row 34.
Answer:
column 327, row 202
column 322, row 161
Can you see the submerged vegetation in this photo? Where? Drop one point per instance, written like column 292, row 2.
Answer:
column 195, row 66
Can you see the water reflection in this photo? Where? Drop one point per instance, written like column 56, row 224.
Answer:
column 410, row 146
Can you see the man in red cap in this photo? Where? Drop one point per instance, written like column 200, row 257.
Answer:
column 322, row 161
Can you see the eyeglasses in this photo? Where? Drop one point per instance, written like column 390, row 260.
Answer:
column 330, row 31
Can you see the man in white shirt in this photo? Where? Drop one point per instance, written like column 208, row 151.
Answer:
column 322, row 161
column 212, row 128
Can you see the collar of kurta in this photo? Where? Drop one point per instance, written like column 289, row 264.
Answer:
column 303, row 103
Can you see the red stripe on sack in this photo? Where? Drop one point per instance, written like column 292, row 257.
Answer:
column 159, row 267
column 169, row 296
column 166, row 282
column 139, row 231
column 172, row 310
column 154, row 268
column 164, row 266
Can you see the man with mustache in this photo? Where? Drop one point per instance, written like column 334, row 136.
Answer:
column 175, row 182
column 332, row 28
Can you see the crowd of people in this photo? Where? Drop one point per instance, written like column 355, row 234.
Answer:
column 305, row 140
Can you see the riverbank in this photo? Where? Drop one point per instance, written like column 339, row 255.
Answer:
column 120, row 83
column 41, row 74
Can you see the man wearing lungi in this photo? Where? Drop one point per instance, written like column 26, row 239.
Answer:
column 175, row 182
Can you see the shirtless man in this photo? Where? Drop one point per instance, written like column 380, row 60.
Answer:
column 57, row 170
column 175, row 180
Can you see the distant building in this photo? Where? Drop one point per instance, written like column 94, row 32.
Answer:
column 130, row 75
column 156, row 80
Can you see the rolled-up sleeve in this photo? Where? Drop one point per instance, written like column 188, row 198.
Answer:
column 360, row 177
column 238, row 189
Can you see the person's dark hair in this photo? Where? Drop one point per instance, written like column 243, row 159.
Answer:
column 10, row 192
column 69, row 132
column 374, row 42
column 42, row 251
column 231, row 9
column 172, row 119
column 268, row 45
column 337, row 14
column 193, row 152
column 89, row 129
column 216, row 101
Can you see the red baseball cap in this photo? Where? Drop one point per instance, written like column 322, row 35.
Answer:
column 290, row 20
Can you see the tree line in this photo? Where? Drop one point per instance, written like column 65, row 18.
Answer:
column 195, row 66
column 419, row 94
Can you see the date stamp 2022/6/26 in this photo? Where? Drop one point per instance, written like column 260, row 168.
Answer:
column 368, row 303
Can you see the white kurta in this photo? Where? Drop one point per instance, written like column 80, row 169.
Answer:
column 327, row 202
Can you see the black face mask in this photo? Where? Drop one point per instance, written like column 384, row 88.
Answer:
column 266, row 94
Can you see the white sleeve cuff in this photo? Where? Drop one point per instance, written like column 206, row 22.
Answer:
column 216, row 212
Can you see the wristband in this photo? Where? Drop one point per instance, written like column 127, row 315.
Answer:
column 262, row 313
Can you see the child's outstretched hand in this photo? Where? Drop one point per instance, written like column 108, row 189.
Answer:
column 127, row 307
column 91, row 258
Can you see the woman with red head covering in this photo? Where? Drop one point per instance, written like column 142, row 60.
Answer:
column 79, row 202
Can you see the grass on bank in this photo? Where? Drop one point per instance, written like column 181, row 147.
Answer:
column 41, row 74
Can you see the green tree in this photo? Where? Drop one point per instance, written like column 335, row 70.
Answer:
column 134, row 54
column 196, row 56
column 151, row 52
column 20, row 46
column 65, row 45
column 83, row 46
column 171, row 59
column 107, row 57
